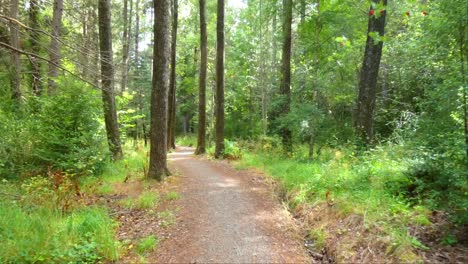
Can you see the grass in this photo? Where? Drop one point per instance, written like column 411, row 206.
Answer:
column 166, row 218
column 187, row 141
column 147, row 244
column 146, row 200
column 44, row 235
column 171, row 196
column 355, row 185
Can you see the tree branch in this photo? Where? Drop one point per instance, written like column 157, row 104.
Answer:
column 47, row 60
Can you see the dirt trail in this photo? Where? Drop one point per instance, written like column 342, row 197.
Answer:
column 227, row 216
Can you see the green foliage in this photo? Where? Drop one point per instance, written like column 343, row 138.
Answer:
column 63, row 132
column 147, row 244
column 147, row 200
column 371, row 184
column 187, row 141
column 44, row 235
column 231, row 150
column 171, row 196
column 166, row 218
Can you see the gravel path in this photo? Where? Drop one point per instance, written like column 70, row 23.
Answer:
column 227, row 216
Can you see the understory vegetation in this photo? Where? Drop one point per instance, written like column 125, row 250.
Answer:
column 357, row 109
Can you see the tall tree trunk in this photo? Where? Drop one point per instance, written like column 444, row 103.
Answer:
column 219, row 104
column 464, row 87
column 15, row 56
column 172, row 84
column 136, row 61
column 54, row 50
column 159, row 96
column 34, row 39
column 95, row 43
column 368, row 78
column 87, row 45
column 285, row 89
column 201, row 140
column 318, row 28
column 127, row 26
column 107, row 78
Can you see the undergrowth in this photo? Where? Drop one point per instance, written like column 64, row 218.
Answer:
column 373, row 185
column 33, row 233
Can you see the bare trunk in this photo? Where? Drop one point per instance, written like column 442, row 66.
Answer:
column 127, row 25
column 465, row 93
column 285, row 90
column 107, row 76
column 15, row 56
column 219, row 105
column 368, row 78
column 84, row 54
column 159, row 96
column 34, row 39
column 201, row 141
column 172, row 84
column 54, row 54
column 315, row 89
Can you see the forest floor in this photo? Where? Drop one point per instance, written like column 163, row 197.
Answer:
column 207, row 211
column 227, row 215
column 210, row 212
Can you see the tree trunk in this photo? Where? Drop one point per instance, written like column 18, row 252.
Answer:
column 201, row 141
column 368, row 78
column 15, row 56
column 34, row 39
column 136, row 61
column 127, row 26
column 54, row 52
column 107, row 78
column 318, row 28
column 159, row 96
column 285, row 90
column 84, row 53
column 219, row 104
column 465, row 93
column 172, row 84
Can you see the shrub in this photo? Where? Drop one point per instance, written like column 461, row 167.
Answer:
column 63, row 132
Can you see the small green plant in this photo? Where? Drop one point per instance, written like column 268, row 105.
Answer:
column 171, row 196
column 319, row 237
column 166, row 218
column 147, row 244
column 128, row 203
column 147, row 200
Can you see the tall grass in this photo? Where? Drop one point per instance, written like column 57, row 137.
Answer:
column 43, row 235
column 354, row 184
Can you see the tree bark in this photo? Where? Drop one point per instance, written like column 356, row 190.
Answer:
column 219, row 104
column 159, row 96
column 34, row 39
column 201, row 140
column 172, row 84
column 127, row 26
column 15, row 56
column 285, row 89
column 318, row 28
column 54, row 50
column 107, row 79
column 368, row 78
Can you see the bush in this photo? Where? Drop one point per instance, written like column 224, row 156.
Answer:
column 63, row 132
